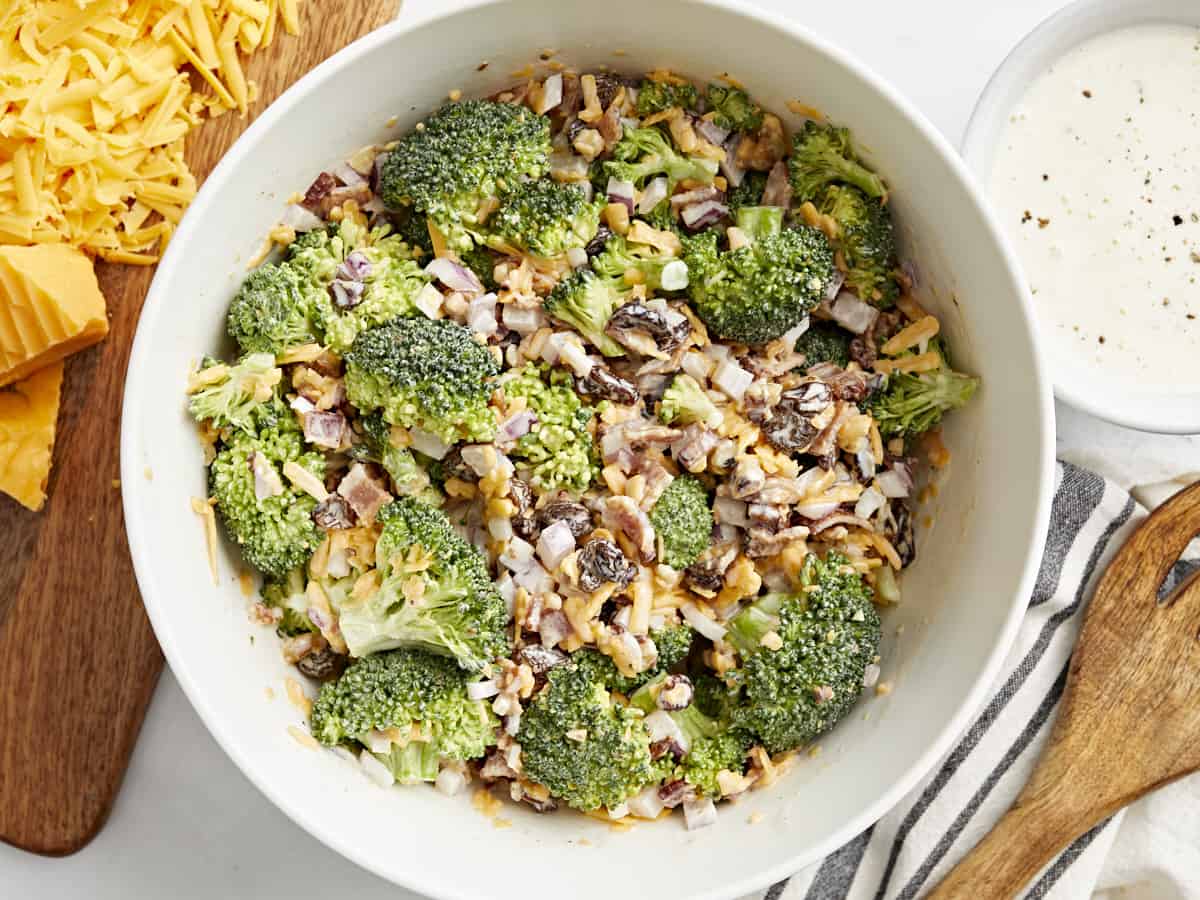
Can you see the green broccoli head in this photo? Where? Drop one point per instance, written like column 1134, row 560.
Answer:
column 408, row 477
column 436, row 593
column 825, row 342
column 867, row 241
column 414, row 692
column 587, row 750
column 659, row 269
column 912, row 403
column 245, row 396
column 749, row 192
column 268, row 517
column 674, row 643
column 823, row 155
column 545, row 218
column 756, row 293
column 482, row 262
column 288, row 595
column 828, row 635
column 558, row 449
column 424, row 373
column 733, row 109
column 655, row 96
column 586, row 302
column 275, row 308
column 683, row 521
column 645, row 153
column 709, row 756
column 685, row 402
column 459, row 157
column 412, row 229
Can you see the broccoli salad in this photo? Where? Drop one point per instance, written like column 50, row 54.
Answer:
column 574, row 435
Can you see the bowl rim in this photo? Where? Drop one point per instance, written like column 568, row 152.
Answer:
column 1160, row 412
column 426, row 880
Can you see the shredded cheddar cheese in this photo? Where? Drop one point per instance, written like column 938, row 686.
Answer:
column 95, row 101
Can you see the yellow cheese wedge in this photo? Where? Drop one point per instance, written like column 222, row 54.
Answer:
column 28, row 413
column 50, row 306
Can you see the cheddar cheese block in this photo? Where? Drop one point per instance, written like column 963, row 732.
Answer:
column 28, row 414
column 50, row 306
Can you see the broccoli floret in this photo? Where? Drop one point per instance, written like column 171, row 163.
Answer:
column 436, row 593
column 408, row 478
column 823, row 155
column 545, row 218
column 288, row 595
column 756, row 293
column 586, row 749
column 243, row 396
column 348, row 253
column 659, row 269
column 480, row 261
column 459, row 157
column 276, row 533
column 733, row 108
column 663, row 218
column 683, row 521
column 714, row 697
column 586, row 302
column 415, row 693
column 275, row 308
column 424, row 373
column 757, row 222
column 867, row 241
column 412, row 229
column 829, row 634
column 912, row 403
column 749, row 192
column 674, row 643
column 558, row 448
column 685, row 402
column 824, row 342
column 644, row 153
column 655, row 96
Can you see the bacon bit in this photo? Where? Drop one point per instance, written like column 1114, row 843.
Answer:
column 925, row 362
column 205, row 511
column 364, row 494
column 911, row 335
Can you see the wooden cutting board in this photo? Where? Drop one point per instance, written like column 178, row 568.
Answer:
column 78, row 660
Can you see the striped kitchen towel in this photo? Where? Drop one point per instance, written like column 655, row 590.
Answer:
column 911, row 848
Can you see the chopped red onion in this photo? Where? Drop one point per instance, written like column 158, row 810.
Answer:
column 853, row 314
column 701, row 215
column 517, row 555
column 778, row 189
column 816, row 509
column 355, row 267
column 299, row 219
column 647, row 804
column 568, row 166
column 347, row 175
column 699, row 813
column 871, row 675
column 865, row 458
column 733, row 172
column 896, row 481
column 535, row 579
column 508, row 591
column 267, row 482
column 839, row 518
column 429, row 300
column 554, row 627
column 707, row 627
column 481, row 316
column 620, row 192
column 731, row 512
column 522, row 320
column 869, row 503
column 662, row 727
column 450, row 781
column 575, row 358
column 712, row 132
column 552, row 94
column 482, row 458
column 346, row 294
column 554, row 543
column 481, row 690
column 697, row 365
column 793, row 334
column 577, row 257
column 500, row 528
column 654, row 194
column 454, row 276
column 835, row 286
column 324, row 428
column 429, row 444
column 696, row 195
column 515, row 426
column 302, row 405
column 375, row 770
column 674, row 276
column 732, row 379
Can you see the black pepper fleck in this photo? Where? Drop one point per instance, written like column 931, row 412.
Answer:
column 1042, row 223
column 1177, row 219
column 1087, row 93
column 1102, row 339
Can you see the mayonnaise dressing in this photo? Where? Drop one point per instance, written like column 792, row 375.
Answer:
column 1097, row 181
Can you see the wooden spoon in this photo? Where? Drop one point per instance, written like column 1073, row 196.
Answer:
column 1129, row 721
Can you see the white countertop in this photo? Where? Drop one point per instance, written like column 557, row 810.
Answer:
column 187, row 824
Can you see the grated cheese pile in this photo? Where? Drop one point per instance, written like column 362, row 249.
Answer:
column 96, row 97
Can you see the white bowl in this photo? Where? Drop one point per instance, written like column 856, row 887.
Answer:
column 1077, row 381
column 964, row 596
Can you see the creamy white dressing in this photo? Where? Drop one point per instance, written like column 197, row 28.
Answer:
column 1097, row 180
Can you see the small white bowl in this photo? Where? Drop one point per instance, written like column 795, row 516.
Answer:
column 1085, row 386
column 964, row 596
